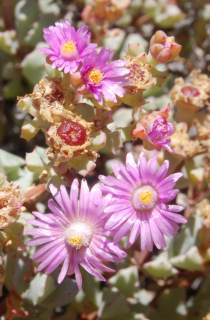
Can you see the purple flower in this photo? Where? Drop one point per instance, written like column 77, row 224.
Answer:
column 67, row 46
column 141, row 193
column 73, row 234
column 156, row 129
column 160, row 132
column 104, row 78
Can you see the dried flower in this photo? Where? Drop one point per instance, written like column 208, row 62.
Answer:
column 155, row 129
column 47, row 96
column 163, row 48
column 67, row 46
column 104, row 78
column 68, row 136
column 183, row 145
column 103, row 11
column 139, row 204
column 203, row 127
column 207, row 317
column 140, row 76
column 73, row 233
column 203, row 210
column 193, row 93
column 10, row 203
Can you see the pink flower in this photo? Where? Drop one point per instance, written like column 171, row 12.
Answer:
column 73, row 234
column 67, row 46
column 141, row 193
column 104, row 78
column 160, row 133
column 156, row 129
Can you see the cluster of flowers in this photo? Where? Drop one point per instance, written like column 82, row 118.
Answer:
column 70, row 51
column 84, row 227
column 88, row 73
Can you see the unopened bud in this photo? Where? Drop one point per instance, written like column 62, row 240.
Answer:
column 163, row 48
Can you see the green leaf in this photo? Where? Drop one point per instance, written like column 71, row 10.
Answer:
column 170, row 305
column 25, row 178
column 62, row 295
column 191, row 260
column 186, row 238
column 126, row 280
column 10, row 164
column 122, row 117
column 41, row 286
column 8, row 42
column 26, row 12
column 37, row 160
column 114, row 306
column 135, row 44
column 113, row 39
column 33, row 66
column 160, row 267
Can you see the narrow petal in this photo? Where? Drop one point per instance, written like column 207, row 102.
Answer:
column 64, row 269
column 157, row 236
column 134, row 232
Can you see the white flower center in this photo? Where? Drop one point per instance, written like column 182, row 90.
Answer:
column 144, row 198
column 79, row 234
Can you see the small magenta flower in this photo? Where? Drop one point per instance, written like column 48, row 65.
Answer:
column 67, row 46
column 160, row 132
column 104, row 78
column 141, row 193
column 156, row 129
column 73, row 234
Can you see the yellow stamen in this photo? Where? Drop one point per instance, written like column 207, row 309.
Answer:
column 146, row 197
column 95, row 76
column 76, row 241
column 68, row 48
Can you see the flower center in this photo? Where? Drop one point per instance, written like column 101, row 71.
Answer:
column 144, row 198
column 95, row 76
column 72, row 133
column 79, row 234
column 190, row 91
column 68, row 48
column 137, row 72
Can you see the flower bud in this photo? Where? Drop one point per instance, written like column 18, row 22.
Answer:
column 163, row 48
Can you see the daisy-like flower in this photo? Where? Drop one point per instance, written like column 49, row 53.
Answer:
column 67, row 46
column 141, row 193
column 73, row 234
column 104, row 78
